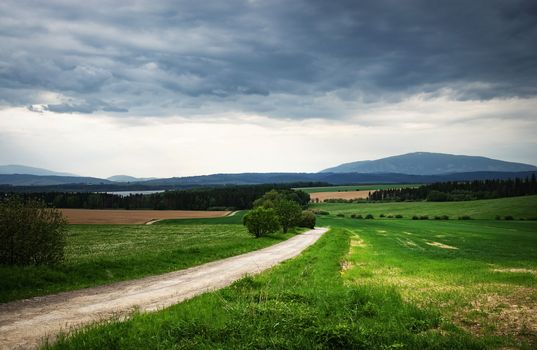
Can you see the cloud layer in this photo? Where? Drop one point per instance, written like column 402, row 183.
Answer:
column 280, row 59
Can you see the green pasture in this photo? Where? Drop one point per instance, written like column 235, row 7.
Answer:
column 518, row 207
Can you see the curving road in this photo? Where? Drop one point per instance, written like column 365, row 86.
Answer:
column 24, row 324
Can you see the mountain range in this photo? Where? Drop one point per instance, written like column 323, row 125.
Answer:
column 425, row 163
column 418, row 167
column 23, row 169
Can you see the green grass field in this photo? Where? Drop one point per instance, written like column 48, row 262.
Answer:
column 367, row 284
column 100, row 254
column 518, row 207
column 354, row 188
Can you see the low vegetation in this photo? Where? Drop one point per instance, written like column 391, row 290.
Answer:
column 30, row 233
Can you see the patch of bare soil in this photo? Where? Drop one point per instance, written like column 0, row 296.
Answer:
column 440, row 245
column 515, row 270
column 321, row 196
column 96, row 216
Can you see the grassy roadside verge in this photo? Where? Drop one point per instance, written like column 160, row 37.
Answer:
column 303, row 303
column 102, row 254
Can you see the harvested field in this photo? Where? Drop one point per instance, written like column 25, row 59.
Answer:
column 340, row 195
column 95, row 216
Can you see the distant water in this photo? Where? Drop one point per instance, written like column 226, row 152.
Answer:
column 128, row 193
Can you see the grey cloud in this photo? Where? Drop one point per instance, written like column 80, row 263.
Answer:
column 77, row 107
column 297, row 59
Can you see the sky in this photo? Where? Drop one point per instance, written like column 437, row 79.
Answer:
column 178, row 88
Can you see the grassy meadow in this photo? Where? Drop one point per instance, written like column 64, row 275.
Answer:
column 380, row 284
column 101, row 254
column 518, row 207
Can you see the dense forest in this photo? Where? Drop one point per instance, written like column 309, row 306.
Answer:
column 218, row 198
column 460, row 191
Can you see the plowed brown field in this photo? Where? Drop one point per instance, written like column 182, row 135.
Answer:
column 95, row 216
column 340, row 195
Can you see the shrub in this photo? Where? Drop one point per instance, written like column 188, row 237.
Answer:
column 390, row 216
column 261, row 221
column 498, row 217
column 382, row 215
column 320, row 212
column 358, row 216
column 341, row 215
column 508, row 217
column 442, row 217
column 353, row 216
column 436, row 196
column 415, row 217
column 398, row 216
column 31, row 233
column 307, row 219
column 424, row 217
column 465, row 217
column 369, row 216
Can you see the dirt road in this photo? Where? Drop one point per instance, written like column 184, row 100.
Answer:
column 23, row 324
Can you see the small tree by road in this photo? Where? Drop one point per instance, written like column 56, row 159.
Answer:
column 261, row 221
column 289, row 213
column 30, row 233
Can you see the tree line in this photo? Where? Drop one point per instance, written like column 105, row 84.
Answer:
column 460, row 191
column 217, row 198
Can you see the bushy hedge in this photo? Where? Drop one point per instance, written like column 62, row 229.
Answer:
column 31, row 234
column 261, row 221
column 307, row 219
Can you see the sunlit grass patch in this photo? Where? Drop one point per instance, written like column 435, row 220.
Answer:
column 471, row 280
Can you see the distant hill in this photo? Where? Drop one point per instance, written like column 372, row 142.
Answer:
column 65, row 183
column 127, row 178
column 336, row 178
column 23, row 169
column 37, row 180
column 424, row 163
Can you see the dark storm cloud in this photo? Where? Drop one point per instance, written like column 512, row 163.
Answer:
column 295, row 59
